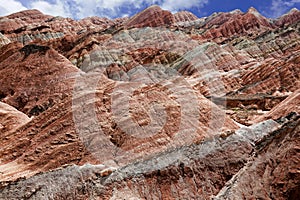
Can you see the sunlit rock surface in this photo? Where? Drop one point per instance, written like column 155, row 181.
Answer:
column 159, row 105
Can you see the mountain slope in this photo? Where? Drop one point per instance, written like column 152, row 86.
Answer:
column 158, row 106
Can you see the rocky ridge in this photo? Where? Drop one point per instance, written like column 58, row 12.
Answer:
column 187, row 107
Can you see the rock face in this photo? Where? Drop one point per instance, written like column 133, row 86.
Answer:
column 153, row 16
column 289, row 18
column 18, row 89
column 184, row 16
column 275, row 177
column 289, row 105
column 155, row 106
column 11, row 118
column 3, row 40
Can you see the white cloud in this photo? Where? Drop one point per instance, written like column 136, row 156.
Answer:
column 175, row 5
column 110, row 8
column 10, row 6
column 83, row 8
column 291, row 3
column 280, row 7
column 117, row 3
column 58, row 8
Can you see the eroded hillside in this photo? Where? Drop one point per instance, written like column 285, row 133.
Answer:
column 156, row 106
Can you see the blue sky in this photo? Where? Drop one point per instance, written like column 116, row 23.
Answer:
column 78, row 9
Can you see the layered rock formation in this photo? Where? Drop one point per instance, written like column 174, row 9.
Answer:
column 11, row 118
column 153, row 16
column 17, row 86
column 155, row 106
column 275, row 176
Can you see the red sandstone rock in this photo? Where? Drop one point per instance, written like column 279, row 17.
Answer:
column 270, row 174
column 292, row 17
column 140, row 94
column 153, row 16
column 289, row 105
column 51, row 71
column 31, row 25
column 18, row 22
column 11, row 118
column 236, row 23
column 183, row 16
column 53, row 132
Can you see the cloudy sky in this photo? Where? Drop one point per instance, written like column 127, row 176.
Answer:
column 78, row 9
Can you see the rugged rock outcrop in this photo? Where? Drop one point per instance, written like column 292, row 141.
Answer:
column 155, row 106
column 3, row 40
column 50, row 78
column 289, row 18
column 153, row 16
column 289, row 105
column 16, row 23
column 31, row 25
column 193, row 172
column 11, row 118
column 184, row 16
column 270, row 174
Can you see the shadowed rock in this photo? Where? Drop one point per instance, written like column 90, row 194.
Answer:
column 33, row 48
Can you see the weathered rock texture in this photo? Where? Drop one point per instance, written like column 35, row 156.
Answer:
column 153, row 16
column 11, row 118
column 155, row 106
column 270, row 175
